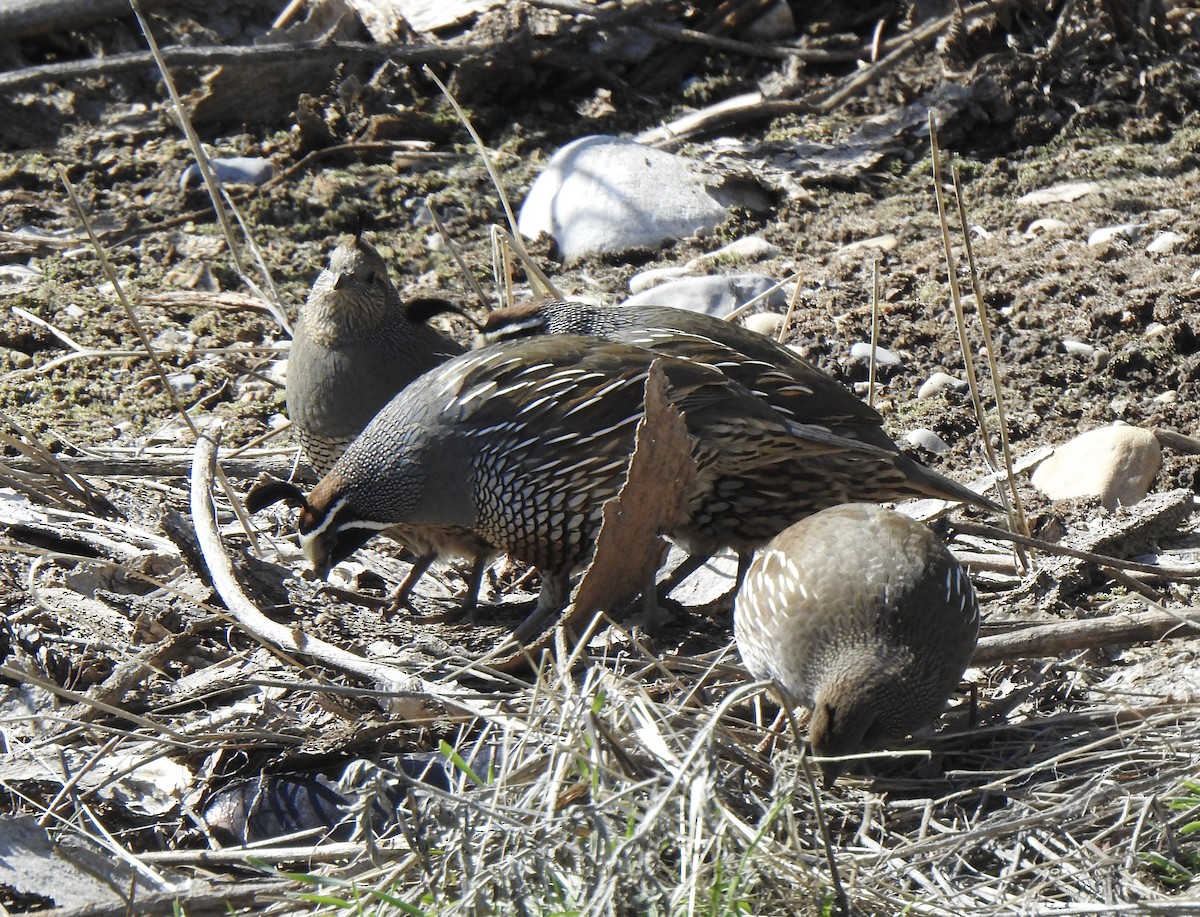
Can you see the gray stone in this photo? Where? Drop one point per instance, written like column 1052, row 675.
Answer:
column 712, row 295
column 604, row 194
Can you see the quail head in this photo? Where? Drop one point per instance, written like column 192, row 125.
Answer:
column 518, row 445
column 746, row 512
column 354, row 348
column 862, row 615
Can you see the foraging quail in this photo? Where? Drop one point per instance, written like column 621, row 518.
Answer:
column 860, row 614
column 518, row 445
column 354, row 348
column 740, row 515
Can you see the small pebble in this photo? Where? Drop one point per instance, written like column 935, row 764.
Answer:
column 885, row 243
column 1078, row 348
column 750, row 248
column 1060, row 194
column 1164, row 242
column 767, row 323
column 1046, row 226
column 923, row 438
column 939, row 381
column 183, row 382
column 235, row 170
column 639, row 283
column 1106, row 234
column 1155, row 329
column 883, row 356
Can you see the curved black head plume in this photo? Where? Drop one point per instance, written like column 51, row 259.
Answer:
column 361, row 225
column 422, row 309
column 269, row 493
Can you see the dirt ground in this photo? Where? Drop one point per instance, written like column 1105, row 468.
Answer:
column 1047, row 102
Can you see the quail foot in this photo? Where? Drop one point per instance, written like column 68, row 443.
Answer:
column 742, row 517
column 355, row 346
column 860, row 614
column 518, row 446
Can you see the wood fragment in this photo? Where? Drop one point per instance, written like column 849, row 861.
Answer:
column 630, row 549
column 1070, row 636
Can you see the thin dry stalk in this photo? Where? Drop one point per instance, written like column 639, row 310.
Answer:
column 993, row 365
column 961, row 323
column 874, row 332
column 159, row 369
column 793, row 302
column 456, row 254
column 535, row 272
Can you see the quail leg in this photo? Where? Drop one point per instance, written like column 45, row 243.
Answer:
column 555, row 592
column 401, row 596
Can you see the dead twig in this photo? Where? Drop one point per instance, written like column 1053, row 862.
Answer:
column 1057, row 639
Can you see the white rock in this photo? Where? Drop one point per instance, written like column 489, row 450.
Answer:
column 655, row 276
column 234, row 170
column 928, row 440
column 381, row 16
column 1078, row 348
column 767, row 323
column 715, row 579
column 939, row 381
column 1106, row 234
column 1115, row 464
column 605, row 194
column 750, row 248
column 1164, row 242
column 884, row 243
column 1046, row 226
column 883, row 356
column 1155, row 329
column 1060, row 194
column 712, row 295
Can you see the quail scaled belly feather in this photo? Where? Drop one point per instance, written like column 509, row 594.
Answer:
column 860, row 614
column 519, row 444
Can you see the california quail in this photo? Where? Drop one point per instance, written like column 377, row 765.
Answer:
column 353, row 349
column 741, row 516
column 517, row 446
column 862, row 615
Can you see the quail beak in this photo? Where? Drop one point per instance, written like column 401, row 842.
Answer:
column 341, row 280
column 320, row 560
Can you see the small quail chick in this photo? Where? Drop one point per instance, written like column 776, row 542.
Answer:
column 860, row 614
column 354, row 347
column 517, row 446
